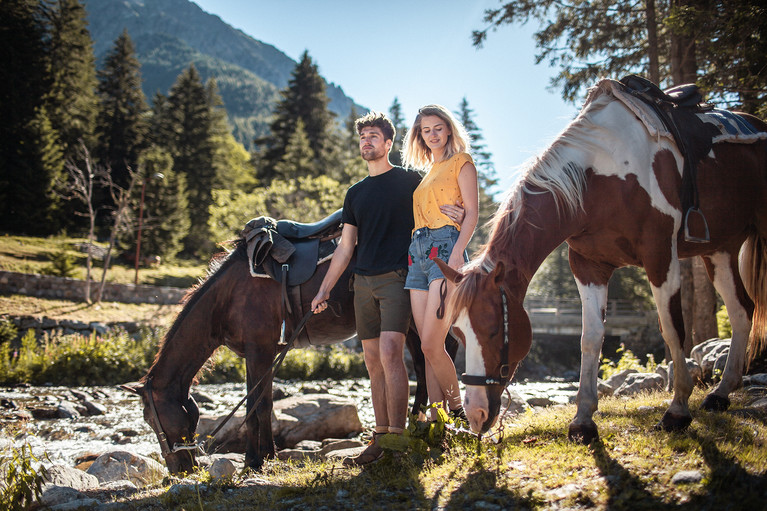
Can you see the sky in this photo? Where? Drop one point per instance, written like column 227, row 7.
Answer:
column 420, row 51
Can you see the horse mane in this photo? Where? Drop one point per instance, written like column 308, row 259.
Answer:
column 216, row 268
column 556, row 171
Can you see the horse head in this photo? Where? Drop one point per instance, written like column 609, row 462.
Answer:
column 173, row 421
column 495, row 329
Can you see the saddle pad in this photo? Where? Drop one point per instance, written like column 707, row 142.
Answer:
column 731, row 127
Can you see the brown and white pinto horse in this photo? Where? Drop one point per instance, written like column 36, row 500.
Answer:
column 612, row 192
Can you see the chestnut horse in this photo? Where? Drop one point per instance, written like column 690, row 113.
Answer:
column 232, row 308
column 611, row 189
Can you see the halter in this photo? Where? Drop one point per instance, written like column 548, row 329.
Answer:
column 504, row 374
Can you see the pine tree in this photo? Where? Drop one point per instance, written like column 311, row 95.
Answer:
column 190, row 122
column 166, row 210
column 72, row 103
column 30, row 157
column 395, row 114
column 121, row 126
column 486, row 175
column 304, row 99
column 298, row 159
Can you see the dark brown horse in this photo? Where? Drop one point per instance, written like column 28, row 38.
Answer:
column 610, row 186
column 244, row 313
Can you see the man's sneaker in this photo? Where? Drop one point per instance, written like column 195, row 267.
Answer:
column 371, row 453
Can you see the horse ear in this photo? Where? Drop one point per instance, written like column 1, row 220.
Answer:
column 499, row 273
column 135, row 387
column 450, row 274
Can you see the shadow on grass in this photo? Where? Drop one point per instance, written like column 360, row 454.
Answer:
column 729, row 484
column 480, row 490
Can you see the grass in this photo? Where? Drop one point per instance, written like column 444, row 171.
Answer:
column 24, row 254
column 534, row 466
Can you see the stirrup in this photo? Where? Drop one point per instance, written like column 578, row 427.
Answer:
column 687, row 235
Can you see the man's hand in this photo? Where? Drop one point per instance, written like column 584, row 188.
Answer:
column 454, row 212
column 320, row 302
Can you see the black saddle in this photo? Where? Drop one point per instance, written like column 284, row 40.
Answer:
column 296, row 230
column 677, row 108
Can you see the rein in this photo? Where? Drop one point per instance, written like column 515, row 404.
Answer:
column 504, row 373
column 165, row 448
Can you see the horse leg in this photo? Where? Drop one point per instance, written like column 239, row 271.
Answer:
column 260, row 441
column 591, row 279
column 722, row 269
column 419, row 365
column 666, row 289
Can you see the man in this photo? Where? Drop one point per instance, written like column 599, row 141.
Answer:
column 378, row 221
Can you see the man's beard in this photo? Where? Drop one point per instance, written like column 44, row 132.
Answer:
column 372, row 155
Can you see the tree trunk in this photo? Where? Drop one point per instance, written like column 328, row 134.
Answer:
column 688, row 305
column 684, row 65
column 704, row 303
column 652, row 42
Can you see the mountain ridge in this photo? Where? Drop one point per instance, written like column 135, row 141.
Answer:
column 169, row 35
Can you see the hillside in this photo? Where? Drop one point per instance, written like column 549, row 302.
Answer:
column 171, row 34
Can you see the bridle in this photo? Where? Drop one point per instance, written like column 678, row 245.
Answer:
column 504, row 373
column 165, row 447
column 199, row 447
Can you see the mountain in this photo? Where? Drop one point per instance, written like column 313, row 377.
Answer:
column 169, row 35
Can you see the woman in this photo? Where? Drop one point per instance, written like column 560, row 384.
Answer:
column 438, row 144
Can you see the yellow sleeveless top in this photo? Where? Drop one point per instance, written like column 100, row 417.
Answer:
column 438, row 187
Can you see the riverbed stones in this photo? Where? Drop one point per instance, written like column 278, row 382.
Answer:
column 120, row 465
column 314, row 417
column 62, row 475
column 638, row 382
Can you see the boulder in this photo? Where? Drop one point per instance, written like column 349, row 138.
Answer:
column 515, row 403
column 314, row 417
column 221, row 468
column 231, row 438
column 638, row 382
column 617, row 379
column 123, row 465
column 61, row 475
column 696, row 373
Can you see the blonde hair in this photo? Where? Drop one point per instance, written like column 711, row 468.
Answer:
column 415, row 152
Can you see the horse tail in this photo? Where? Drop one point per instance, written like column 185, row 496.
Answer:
column 753, row 269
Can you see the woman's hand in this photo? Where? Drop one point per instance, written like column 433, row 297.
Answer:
column 454, row 212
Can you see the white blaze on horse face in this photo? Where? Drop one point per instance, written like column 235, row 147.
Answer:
column 475, row 398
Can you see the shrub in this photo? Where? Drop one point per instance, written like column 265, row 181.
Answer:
column 319, row 363
column 21, row 482
column 627, row 361
column 62, row 263
column 723, row 326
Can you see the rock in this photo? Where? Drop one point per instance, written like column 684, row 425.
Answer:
column 756, row 379
column 231, row 438
column 119, row 465
column 54, row 494
column 663, row 371
column 516, row 404
column 314, row 417
column 639, row 382
column 711, row 355
column 686, row 477
column 67, row 410
column 603, row 389
column 699, row 351
column 696, row 373
column 617, row 379
column 61, row 475
column 540, row 401
column 221, row 468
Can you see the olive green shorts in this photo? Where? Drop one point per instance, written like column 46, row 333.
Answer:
column 381, row 304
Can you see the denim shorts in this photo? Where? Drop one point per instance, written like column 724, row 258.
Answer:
column 426, row 245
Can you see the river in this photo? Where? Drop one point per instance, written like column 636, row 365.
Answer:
column 122, row 426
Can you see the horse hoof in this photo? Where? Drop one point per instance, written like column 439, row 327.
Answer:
column 714, row 403
column 671, row 422
column 583, row 433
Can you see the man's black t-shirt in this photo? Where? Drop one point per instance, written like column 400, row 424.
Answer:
column 381, row 207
